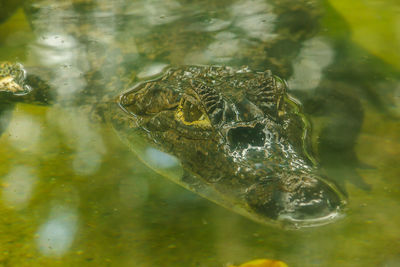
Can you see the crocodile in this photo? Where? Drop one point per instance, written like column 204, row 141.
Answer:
column 239, row 133
column 242, row 140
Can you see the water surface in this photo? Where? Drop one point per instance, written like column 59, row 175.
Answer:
column 72, row 194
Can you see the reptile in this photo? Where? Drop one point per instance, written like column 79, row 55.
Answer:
column 240, row 137
column 242, row 140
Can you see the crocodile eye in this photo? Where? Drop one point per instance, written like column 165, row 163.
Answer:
column 211, row 100
column 191, row 113
column 243, row 137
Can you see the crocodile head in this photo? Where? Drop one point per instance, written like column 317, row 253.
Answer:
column 238, row 133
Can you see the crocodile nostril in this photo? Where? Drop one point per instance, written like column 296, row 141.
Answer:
column 309, row 202
column 243, row 137
column 316, row 202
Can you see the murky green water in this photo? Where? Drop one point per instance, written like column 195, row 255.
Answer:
column 72, row 194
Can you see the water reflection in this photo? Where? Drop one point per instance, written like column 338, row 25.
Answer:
column 308, row 68
column 56, row 235
column 159, row 11
column 222, row 50
column 255, row 18
column 209, row 25
column 65, row 59
column 159, row 159
column 18, row 187
column 24, row 133
column 249, row 23
column 83, row 139
column 151, row 70
column 5, row 116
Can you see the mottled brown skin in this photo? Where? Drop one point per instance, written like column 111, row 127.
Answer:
column 240, row 133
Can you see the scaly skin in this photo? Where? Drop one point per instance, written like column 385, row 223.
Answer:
column 238, row 132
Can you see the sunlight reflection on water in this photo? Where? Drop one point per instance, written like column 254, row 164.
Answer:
column 19, row 184
column 56, row 51
column 151, row 70
column 160, row 159
column 249, row 20
column 89, row 144
column 56, row 235
column 315, row 55
column 157, row 11
column 24, row 133
column 256, row 18
column 82, row 137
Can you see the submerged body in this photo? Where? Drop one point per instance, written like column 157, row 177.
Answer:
column 239, row 133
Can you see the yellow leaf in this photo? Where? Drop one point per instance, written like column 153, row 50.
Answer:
column 262, row 263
